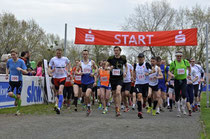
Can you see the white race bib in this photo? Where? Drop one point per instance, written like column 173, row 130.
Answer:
column 78, row 78
column 116, row 72
column 141, row 77
column 60, row 70
column 14, row 78
column 68, row 79
column 104, row 79
column 180, row 71
column 86, row 71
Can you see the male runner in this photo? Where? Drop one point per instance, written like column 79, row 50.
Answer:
column 116, row 63
column 61, row 67
column 88, row 78
column 15, row 67
column 179, row 68
column 154, row 77
column 141, row 74
column 127, row 85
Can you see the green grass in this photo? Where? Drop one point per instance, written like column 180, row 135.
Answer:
column 205, row 117
column 32, row 109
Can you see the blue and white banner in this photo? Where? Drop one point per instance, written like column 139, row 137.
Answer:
column 32, row 91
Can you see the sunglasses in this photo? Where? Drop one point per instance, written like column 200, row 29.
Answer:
column 178, row 56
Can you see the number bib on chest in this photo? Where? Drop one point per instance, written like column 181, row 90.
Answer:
column 104, row 79
column 86, row 70
column 116, row 72
column 152, row 78
column 180, row 71
column 78, row 78
column 141, row 77
column 60, row 70
column 14, row 78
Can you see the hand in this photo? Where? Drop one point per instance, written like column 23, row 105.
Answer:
column 155, row 77
column 53, row 70
column 6, row 77
column 189, row 77
column 111, row 67
column 33, row 72
column 94, row 84
column 92, row 74
column 147, row 74
column 167, row 83
column 124, row 74
column 19, row 69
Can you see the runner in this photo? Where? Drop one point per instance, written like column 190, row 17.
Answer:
column 127, row 85
column 61, row 66
column 15, row 67
column 68, row 90
column 77, row 83
column 116, row 63
column 99, row 86
column 154, row 77
column 190, row 86
column 141, row 74
column 88, row 79
column 179, row 68
column 133, row 94
column 105, row 89
column 198, row 69
column 171, row 93
column 201, row 82
column 162, row 84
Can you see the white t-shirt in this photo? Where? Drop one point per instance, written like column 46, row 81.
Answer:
column 198, row 69
column 194, row 74
column 127, row 79
column 59, row 64
column 152, row 80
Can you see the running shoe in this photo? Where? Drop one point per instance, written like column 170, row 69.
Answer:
column 133, row 107
column 88, row 112
column 170, row 110
column 149, row 109
column 108, row 104
column 178, row 113
column 158, row 111
column 122, row 107
column 104, row 111
column 75, row 108
column 190, row 112
column 55, row 107
column 154, row 112
column 17, row 113
column 58, row 111
column 117, row 112
column 161, row 109
column 168, row 107
column 196, row 107
column 140, row 115
column 100, row 107
column 127, row 109
column 15, row 103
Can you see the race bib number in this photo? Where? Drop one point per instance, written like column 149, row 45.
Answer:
column 141, row 77
column 104, row 79
column 14, row 78
column 86, row 71
column 60, row 70
column 181, row 71
column 116, row 72
column 78, row 78
column 68, row 79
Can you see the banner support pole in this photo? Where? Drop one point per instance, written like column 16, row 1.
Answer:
column 207, row 69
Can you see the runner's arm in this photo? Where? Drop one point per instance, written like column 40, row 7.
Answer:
column 160, row 74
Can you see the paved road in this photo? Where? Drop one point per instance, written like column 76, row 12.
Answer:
column 78, row 126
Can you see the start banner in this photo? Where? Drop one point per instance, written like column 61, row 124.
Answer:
column 185, row 37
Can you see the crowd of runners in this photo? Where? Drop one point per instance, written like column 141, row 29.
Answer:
column 152, row 85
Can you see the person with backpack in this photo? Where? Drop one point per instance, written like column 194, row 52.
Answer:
column 179, row 68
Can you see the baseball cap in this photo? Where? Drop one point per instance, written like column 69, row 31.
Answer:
column 141, row 55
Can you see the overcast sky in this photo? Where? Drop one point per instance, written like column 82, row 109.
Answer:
column 51, row 15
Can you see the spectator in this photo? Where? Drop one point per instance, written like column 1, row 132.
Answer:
column 23, row 57
column 28, row 64
column 3, row 62
column 39, row 69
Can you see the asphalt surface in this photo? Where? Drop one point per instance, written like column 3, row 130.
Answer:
column 76, row 125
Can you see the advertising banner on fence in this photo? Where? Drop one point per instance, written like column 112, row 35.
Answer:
column 185, row 37
column 32, row 91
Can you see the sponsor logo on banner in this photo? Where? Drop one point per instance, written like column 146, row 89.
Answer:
column 4, row 97
column 89, row 37
column 180, row 38
column 34, row 93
